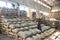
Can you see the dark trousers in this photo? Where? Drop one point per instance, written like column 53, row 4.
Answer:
column 39, row 27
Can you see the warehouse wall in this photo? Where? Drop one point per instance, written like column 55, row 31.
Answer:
column 56, row 8
column 54, row 15
column 55, row 12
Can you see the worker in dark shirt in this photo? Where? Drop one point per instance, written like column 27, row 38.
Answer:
column 39, row 24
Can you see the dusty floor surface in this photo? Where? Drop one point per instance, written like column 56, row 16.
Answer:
column 3, row 37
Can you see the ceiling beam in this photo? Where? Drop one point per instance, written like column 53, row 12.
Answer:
column 46, row 3
column 32, row 4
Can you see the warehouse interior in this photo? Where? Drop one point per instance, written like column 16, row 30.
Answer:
column 18, row 19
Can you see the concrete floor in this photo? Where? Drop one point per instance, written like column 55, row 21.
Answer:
column 3, row 37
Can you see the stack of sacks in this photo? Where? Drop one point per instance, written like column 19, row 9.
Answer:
column 4, row 20
column 16, row 22
column 27, row 33
column 14, row 19
column 22, row 28
column 58, row 38
column 47, row 33
column 31, row 23
column 24, row 34
column 20, row 38
column 32, row 31
column 5, row 28
column 33, row 26
column 18, row 19
column 23, row 25
column 35, row 37
column 15, row 30
column 53, row 36
column 21, row 21
column 9, row 20
column 17, row 25
column 9, row 30
column 11, row 34
column 38, row 36
column 37, row 30
column 5, row 25
column 29, row 38
column 47, row 39
column 42, row 35
column 42, row 25
column 11, row 26
column 51, row 31
column 45, row 28
column 26, row 27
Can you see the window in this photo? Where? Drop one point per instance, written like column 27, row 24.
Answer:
column 9, row 5
column 33, row 10
column 2, row 4
column 22, row 7
column 5, row 4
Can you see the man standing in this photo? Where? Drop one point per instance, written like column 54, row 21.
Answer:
column 39, row 24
